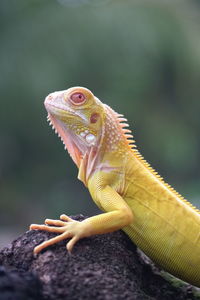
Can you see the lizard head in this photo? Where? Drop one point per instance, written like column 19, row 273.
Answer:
column 77, row 116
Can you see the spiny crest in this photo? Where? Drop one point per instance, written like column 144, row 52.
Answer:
column 126, row 132
column 119, row 118
column 52, row 126
column 155, row 173
column 120, row 122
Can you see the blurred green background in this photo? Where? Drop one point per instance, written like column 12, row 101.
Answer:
column 140, row 57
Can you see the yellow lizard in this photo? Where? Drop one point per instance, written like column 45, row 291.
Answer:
column 132, row 195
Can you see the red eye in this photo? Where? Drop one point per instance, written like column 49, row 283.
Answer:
column 77, row 98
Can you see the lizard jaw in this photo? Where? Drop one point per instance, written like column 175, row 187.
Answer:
column 66, row 137
column 61, row 110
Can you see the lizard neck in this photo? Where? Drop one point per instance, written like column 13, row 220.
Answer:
column 112, row 148
column 117, row 141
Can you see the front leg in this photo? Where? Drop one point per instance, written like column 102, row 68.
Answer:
column 118, row 215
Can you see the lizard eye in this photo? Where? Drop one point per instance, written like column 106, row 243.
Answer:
column 77, row 98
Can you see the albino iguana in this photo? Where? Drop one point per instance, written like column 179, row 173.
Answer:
column 134, row 198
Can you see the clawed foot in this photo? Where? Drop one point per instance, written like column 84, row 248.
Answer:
column 66, row 227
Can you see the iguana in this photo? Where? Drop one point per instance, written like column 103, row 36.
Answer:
column 133, row 196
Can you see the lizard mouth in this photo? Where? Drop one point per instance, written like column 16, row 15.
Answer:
column 58, row 109
column 63, row 112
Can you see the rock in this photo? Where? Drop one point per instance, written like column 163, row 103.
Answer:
column 102, row 267
column 19, row 285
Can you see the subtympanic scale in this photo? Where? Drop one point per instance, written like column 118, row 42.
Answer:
column 90, row 138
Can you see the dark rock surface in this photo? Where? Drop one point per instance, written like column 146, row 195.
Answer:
column 19, row 285
column 100, row 267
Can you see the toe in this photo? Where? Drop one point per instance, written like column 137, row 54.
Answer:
column 54, row 222
column 50, row 242
column 47, row 228
column 71, row 243
column 65, row 218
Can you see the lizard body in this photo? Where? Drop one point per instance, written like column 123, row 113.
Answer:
column 122, row 184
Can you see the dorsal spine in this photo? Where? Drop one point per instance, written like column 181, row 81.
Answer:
column 122, row 126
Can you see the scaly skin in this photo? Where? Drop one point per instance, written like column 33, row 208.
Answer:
column 134, row 198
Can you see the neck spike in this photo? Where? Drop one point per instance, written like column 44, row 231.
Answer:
column 116, row 130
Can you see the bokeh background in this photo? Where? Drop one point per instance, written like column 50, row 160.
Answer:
column 140, row 57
